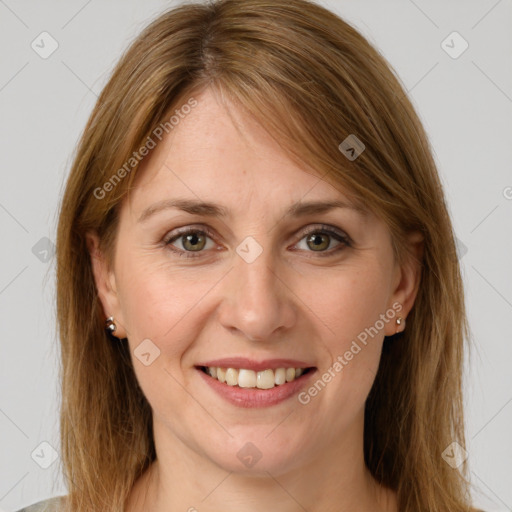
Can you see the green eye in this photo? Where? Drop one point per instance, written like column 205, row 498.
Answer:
column 318, row 239
column 193, row 240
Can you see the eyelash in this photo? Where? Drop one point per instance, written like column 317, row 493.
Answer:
column 338, row 235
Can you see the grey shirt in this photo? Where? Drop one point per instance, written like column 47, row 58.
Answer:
column 53, row 505
column 49, row 505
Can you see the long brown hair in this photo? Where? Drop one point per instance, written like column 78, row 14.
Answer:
column 312, row 80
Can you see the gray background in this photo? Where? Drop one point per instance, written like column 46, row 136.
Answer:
column 465, row 104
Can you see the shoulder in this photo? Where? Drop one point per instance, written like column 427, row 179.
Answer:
column 49, row 505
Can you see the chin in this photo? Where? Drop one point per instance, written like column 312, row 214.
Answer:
column 257, row 455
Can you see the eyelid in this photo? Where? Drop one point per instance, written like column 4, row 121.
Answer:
column 326, row 228
column 179, row 232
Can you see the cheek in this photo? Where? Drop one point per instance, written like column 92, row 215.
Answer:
column 161, row 305
column 350, row 301
column 156, row 298
column 351, row 306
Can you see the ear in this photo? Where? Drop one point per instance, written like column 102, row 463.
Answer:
column 406, row 282
column 105, row 284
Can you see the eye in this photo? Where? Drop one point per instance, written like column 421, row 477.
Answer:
column 319, row 239
column 191, row 240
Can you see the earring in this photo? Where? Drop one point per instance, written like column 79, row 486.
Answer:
column 110, row 325
column 399, row 321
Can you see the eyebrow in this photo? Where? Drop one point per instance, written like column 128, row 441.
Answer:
column 208, row 209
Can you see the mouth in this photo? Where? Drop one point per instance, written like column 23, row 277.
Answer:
column 250, row 383
column 251, row 379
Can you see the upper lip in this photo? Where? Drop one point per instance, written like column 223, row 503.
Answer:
column 257, row 366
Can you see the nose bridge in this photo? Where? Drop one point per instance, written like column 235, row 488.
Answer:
column 257, row 272
column 258, row 304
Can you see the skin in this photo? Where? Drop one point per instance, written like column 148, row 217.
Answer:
column 287, row 303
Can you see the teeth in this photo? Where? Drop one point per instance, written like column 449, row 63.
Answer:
column 280, row 376
column 221, row 374
column 247, row 379
column 231, row 377
column 265, row 379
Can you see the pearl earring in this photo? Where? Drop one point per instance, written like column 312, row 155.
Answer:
column 110, row 325
column 399, row 321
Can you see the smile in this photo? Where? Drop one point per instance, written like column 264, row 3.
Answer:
column 248, row 383
column 245, row 378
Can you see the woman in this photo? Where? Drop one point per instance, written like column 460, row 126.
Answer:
column 259, row 299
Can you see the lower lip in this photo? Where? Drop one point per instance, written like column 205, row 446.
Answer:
column 254, row 397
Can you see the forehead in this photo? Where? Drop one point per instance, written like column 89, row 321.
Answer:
column 219, row 152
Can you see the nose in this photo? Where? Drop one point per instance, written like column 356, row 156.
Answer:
column 258, row 303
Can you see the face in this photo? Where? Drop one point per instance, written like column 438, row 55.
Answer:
column 261, row 288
